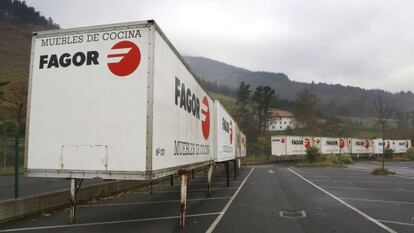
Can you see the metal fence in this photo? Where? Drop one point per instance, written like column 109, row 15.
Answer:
column 14, row 185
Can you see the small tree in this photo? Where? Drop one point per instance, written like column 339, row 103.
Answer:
column 383, row 110
column 306, row 108
column 312, row 154
column 14, row 99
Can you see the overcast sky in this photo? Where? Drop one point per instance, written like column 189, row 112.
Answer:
column 365, row 43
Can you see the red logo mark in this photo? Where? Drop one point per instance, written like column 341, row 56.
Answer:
column 205, row 124
column 366, row 144
column 129, row 60
column 307, row 143
column 282, row 140
column 231, row 132
column 341, row 143
column 318, row 141
column 388, row 145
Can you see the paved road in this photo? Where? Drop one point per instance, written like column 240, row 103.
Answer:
column 334, row 200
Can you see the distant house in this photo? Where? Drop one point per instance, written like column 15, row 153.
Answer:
column 279, row 120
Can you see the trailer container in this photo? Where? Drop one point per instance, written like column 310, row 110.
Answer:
column 361, row 146
column 240, row 143
column 225, row 135
column 297, row 145
column 401, row 146
column 377, row 145
column 243, row 144
column 278, row 145
column 329, row 145
column 116, row 102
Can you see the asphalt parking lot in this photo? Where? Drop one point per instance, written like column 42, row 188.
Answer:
column 329, row 200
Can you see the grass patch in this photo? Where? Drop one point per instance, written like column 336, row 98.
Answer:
column 9, row 170
column 318, row 164
column 381, row 171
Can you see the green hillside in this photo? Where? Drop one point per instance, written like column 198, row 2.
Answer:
column 14, row 51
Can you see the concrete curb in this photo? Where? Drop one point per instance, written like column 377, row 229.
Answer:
column 26, row 206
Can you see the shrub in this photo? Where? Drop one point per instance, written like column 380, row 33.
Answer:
column 410, row 153
column 346, row 158
column 331, row 158
column 312, row 154
column 388, row 153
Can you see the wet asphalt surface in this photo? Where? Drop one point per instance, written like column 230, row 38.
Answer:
column 253, row 203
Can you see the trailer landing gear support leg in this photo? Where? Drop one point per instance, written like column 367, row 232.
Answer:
column 150, row 187
column 172, row 180
column 210, row 172
column 183, row 203
column 74, row 189
column 235, row 168
column 227, row 174
column 72, row 211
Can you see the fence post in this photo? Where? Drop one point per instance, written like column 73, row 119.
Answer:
column 16, row 166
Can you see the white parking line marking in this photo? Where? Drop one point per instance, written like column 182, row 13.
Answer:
column 189, row 190
column 372, row 189
column 398, row 223
column 106, row 223
column 406, row 177
column 368, row 182
column 346, row 204
column 226, row 207
column 380, row 201
column 150, row 202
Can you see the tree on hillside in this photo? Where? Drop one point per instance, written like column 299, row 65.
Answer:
column 243, row 114
column 262, row 97
column 306, row 108
column 243, row 93
column 19, row 12
column 383, row 111
column 14, row 99
column 333, row 127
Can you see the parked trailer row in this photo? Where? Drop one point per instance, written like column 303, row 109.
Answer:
column 297, row 145
column 119, row 102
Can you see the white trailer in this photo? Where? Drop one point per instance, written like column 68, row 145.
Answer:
column 225, row 136
column 401, row 146
column 329, row 145
column 243, row 144
column 115, row 102
column 278, row 145
column 297, row 145
column 240, row 143
column 377, row 145
column 361, row 146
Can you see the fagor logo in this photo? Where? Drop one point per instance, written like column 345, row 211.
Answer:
column 228, row 128
column 282, row 140
column 366, row 144
column 307, row 143
column 186, row 100
column 341, row 143
column 125, row 58
column 205, row 123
